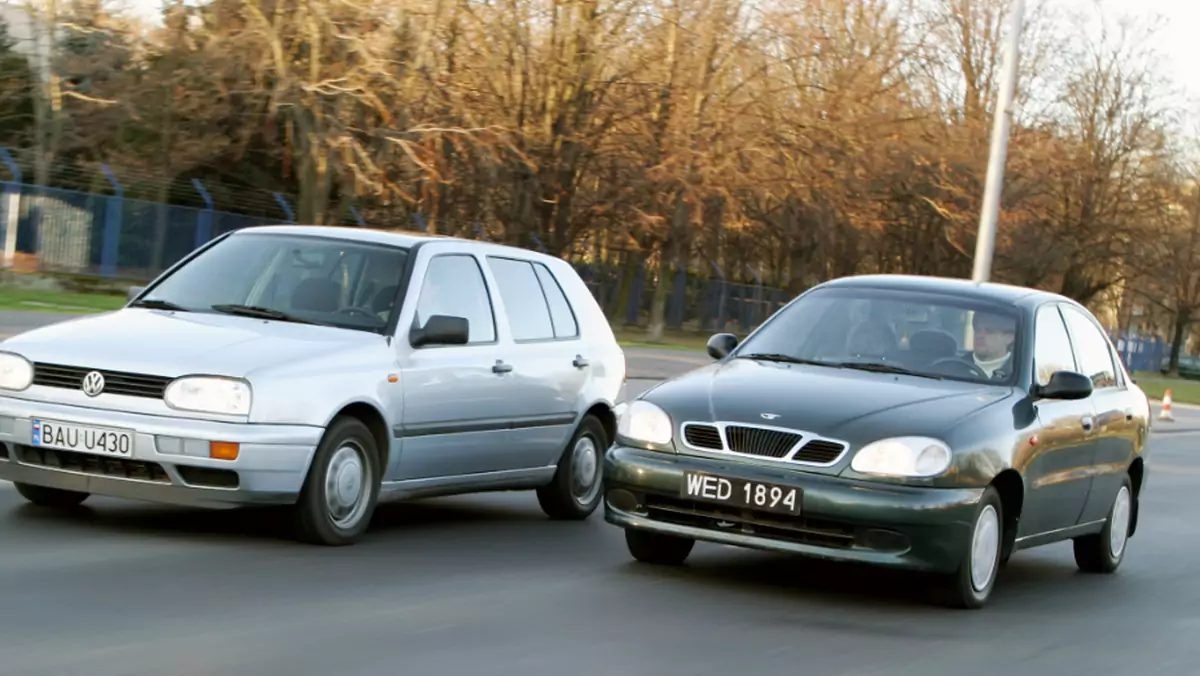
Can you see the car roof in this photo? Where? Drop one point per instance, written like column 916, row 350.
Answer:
column 387, row 237
column 999, row 293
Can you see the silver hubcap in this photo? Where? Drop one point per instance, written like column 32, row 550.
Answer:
column 1119, row 528
column 984, row 545
column 585, row 461
column 346, row 485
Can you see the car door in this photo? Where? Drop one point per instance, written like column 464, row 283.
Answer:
column 549, row 373
column 1115, row 428
column 1057, row 468
column 458, row 400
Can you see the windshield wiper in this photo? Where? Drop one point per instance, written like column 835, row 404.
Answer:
column 877, row 367
column 786, row 358
column 156, row 304
column 259, row 312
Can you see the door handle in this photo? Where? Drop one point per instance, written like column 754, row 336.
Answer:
column 579, row 362
column 501, row 367
column 1088, row 422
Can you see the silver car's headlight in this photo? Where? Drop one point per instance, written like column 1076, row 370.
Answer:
column 209, row 394
column 16, row 372
column 903, row 457
column 645, row 422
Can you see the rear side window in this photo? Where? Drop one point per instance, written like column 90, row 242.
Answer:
column 565, row 325
column 524, row 303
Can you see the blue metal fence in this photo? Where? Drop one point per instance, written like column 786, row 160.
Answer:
column 114, row 236
column 1140, row 353
column 109, row 235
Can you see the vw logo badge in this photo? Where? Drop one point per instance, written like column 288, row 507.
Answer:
column 769, row 416
column 93, row 384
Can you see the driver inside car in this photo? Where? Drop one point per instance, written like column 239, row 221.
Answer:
column 994, row 336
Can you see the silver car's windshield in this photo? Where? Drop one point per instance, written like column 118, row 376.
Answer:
column 306, row 279
column 934, row 336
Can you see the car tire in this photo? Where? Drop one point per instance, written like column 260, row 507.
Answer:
column 54, row 498
column 971, row 585
column 658, row 548
column 342, row 487
column 575, row 491
column 1103, row 552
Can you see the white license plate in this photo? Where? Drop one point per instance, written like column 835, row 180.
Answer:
column 82, row 438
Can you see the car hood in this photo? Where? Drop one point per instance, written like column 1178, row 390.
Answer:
column 847, row 404
column 173, row 344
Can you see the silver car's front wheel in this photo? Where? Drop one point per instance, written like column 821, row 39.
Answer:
column 347, row 481
column 342, row 487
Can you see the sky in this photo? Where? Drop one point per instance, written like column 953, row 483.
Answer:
column 1176, row 40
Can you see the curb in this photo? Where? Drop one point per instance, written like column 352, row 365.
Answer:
column 1175, row 404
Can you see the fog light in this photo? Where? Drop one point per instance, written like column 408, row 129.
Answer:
column 623, row 500
column 222, row 450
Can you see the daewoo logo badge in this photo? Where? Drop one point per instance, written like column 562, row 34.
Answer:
column 93, row 384
column 769, row 416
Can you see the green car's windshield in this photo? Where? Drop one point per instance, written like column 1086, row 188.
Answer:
column 892, row 331
column 291, row 278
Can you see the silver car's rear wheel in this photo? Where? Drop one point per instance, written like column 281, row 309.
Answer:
column 574, row 493
column 342, row 487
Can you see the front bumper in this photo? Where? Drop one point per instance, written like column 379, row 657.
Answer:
column 169, row 460
column 926, row 529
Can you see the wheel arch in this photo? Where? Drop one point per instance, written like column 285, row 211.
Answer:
column 1137, row 478
column 604, row 412
column 372, row 417
column 1010, row 485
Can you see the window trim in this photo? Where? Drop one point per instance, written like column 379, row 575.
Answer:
column 566, row 299
column 1108, row 350
column 487, row 293
column 546, row 301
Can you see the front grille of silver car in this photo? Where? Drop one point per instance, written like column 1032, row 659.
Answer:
column 115, row 382
column 763, row 442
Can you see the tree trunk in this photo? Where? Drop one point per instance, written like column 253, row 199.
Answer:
column 1183, row 322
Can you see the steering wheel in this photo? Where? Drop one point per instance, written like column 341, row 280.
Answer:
column 970, row 368
column 360, row 311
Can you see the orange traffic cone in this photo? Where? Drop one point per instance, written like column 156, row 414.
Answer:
column 1165, row 413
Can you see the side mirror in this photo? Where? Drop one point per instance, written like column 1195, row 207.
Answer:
column 1065, row 385
column 134, row 292
column 441, row 330
column 721, row 344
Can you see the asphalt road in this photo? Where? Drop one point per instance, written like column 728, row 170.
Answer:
column 487, row 585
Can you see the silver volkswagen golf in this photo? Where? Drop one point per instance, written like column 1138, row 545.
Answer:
column 325, row 368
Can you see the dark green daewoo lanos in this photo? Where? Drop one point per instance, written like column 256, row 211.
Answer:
column 931, row 424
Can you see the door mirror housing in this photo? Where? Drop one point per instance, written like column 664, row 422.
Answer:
column 721, row 344
column 134, row 292
column 1065, row 385
column 441, row 330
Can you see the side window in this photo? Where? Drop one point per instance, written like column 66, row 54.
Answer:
column 561, row 314
column 1052, row 346
column 524, row 304
column 1095, row 359
column 454, row 286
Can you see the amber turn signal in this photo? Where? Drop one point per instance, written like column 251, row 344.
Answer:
column 222, row 450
